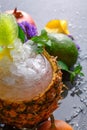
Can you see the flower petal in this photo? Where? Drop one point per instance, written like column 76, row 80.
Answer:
column 29, row 29
column 57, row 26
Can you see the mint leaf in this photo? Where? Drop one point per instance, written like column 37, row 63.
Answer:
column 72, row 76
column 62, row 65
column 81, row 74
column 36, row 39
column 49, row 43
column 39, row 50
column 44, row 33
column 21, row 34
column 42, row 41
column 76, row 71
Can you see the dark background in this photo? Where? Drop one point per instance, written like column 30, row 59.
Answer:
column 73, row 107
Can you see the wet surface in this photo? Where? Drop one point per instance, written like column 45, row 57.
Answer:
column 73, row 108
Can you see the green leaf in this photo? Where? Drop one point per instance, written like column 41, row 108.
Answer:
column 49, row 43
column 43, row 33
column 36, row 39
column 81, row 74
column 42, row 41
column 76, row 71
column 39, row 50
column 72, row 76
column 21, row 34
column 62, row 65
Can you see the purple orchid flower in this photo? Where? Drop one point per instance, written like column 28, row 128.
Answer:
column 29, row 29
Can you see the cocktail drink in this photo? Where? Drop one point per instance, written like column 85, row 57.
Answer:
column 30, row 83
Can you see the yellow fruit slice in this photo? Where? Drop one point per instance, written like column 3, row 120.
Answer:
column 57, row 26
column 5, row 52
column 8, row 34
column 8, row 29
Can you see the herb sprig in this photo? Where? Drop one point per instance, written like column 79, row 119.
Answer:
column 43, row 41
column 77, row 70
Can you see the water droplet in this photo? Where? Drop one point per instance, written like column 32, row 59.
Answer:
column 75, row 114
column 84, row 111
column 81, row 108
column 85, row 89
column 85, row 57
column 55, row 10
column 68, row 119
column 70, row 24
column 83, row 18
column 63, row 10
column 77, row 13
column 74, row 107
column 86, row 94
column 85, row 101
column 75, row 125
